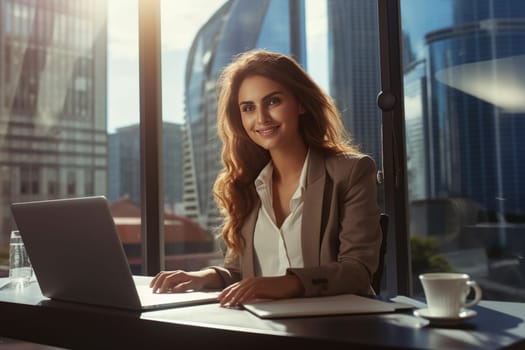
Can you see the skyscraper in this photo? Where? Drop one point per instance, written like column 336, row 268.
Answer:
column 354, row 70
column 473, row 145
column 124, row 157
column 273, row 24
column 52, row 101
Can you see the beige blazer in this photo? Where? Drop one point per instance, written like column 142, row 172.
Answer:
column 340, row 229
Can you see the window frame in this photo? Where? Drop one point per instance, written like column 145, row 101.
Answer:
column 391, row 102
column 152, row 215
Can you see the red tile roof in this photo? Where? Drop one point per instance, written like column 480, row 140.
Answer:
column 177, row 228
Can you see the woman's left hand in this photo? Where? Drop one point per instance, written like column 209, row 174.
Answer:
column 280, row 287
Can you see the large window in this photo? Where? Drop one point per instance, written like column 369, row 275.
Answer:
column 335, row 40
column 465, row 116
column 70, row 111
column 70, row 126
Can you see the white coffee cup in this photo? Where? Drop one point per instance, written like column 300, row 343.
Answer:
column 446, row 293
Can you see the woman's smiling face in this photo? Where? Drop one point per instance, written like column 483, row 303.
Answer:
column 269, row 113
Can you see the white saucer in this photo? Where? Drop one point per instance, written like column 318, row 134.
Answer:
column 465, row 314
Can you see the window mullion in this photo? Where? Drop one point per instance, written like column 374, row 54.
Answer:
column 390, row 100
column 151, row 136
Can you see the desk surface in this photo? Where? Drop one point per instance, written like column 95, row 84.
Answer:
column 26, row 314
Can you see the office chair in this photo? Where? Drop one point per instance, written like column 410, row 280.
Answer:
column 378, row 275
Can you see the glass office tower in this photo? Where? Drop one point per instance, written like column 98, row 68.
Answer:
column 52, row 102
column 273, row 24
column 354, row 70
column 124, row 172
column 465, row 118
column 475, row 41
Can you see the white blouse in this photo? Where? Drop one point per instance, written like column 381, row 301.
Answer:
column 275, row 250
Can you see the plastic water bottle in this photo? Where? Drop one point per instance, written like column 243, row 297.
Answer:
column 20, row 269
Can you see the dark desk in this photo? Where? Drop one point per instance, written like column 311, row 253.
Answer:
column 26, row 314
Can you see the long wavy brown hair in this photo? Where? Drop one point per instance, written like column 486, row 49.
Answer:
column 242, row 159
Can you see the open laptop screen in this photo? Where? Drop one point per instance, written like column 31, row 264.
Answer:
column 77, row 255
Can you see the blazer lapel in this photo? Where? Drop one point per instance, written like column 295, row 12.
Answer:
column 313, row 206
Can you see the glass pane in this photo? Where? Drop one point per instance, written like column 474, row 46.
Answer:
column 463, row 63
column 189, row 242
column 124, row 191
column 336, row 41
column 53, row 95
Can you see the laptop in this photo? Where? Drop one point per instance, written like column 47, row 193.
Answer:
column 77, row 256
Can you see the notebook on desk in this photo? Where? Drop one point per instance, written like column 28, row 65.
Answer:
column 343, row 304
column 77, row 256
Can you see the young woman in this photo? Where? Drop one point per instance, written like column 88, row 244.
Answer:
column 299, row 201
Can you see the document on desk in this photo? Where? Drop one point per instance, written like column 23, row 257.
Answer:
column 322, row 306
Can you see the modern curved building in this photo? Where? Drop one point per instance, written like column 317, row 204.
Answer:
column 236, row 27
column 464, row 127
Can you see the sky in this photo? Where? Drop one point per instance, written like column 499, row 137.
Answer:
column 123, row 72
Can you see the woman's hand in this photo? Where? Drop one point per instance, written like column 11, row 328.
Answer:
column 280, row 287
column 182, row 281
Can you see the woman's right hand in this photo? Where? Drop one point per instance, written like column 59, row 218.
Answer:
column 181, row 281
